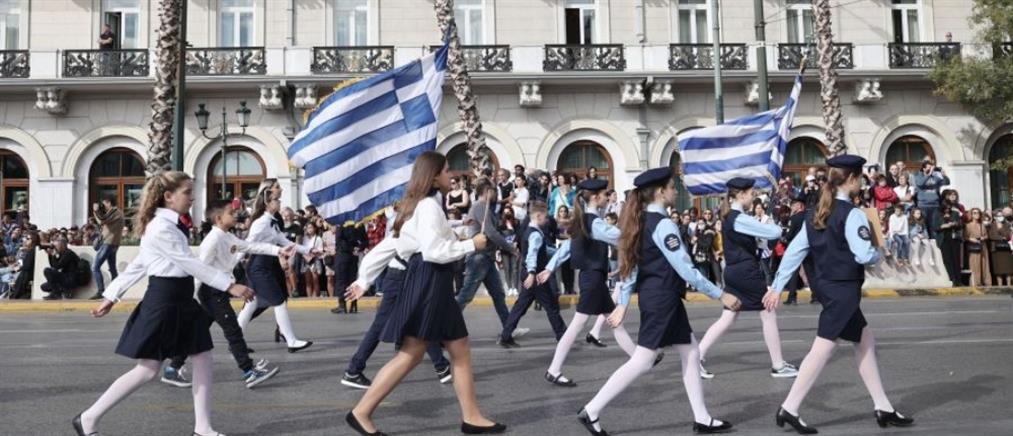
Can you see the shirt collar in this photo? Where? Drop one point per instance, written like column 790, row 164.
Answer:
column 168, row 214
column 737, row 206
column 843, row 196
column 656, row 208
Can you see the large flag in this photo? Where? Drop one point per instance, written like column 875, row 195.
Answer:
column 358, row 146
column 752, row 146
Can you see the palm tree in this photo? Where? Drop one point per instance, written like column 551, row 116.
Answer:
column 828, row 79
column 164, row 102
column 467, row 107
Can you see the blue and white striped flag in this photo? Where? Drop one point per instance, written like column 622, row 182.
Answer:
column 358, row 146
column 752, row 147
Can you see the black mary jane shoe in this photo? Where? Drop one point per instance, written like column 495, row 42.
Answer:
column 474, row 429
column 354, row 423
column 886, row 419
column 80, row 428
column 594, row 341
column 303, row 347
column 555, row 379
column 589, row 424
column 784, row 417
column 658, row 358
column 278, row 337
column 699, row 428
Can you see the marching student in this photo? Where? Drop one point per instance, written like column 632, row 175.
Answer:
column 587, row 249
column 218, row 250
column 264, row 272
column 168, row 321
column 744, row 275
column 837, row 240
column 652, row 259
column 536, row 256
column 426, row 310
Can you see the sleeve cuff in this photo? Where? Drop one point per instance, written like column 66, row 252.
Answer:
column 468, row 245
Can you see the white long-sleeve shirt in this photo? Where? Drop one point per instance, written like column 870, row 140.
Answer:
column 428, row 232
column 373, row 263
column 165, row 252
column 262, row 230
column 219, row 250
column 898, row 225
column 520, row 203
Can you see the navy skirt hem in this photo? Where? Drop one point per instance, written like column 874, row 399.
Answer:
column 426, row 308
column 595, row 298
column 663, row 320
column 842, row 316
column 267, row 279
column 746, row 282
column 168, row 322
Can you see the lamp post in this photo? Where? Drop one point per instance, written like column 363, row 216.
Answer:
column 242, row 116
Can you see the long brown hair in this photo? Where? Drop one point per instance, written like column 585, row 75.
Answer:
column 427, row 166
column 726, row 203
column 263, row 198
column 577, row 228
column 835, row 178
column 153, row 196
column 631, row 226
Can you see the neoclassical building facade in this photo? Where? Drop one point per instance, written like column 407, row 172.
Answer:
column 561, row 85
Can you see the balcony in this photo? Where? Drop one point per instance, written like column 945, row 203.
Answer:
column 911, row 55
column 588, row 57
column 106, row 63
column 14, row 64
column 485, row 58
column 225, row 61
column 360, row 59
column 789, row 56
column 701, row 57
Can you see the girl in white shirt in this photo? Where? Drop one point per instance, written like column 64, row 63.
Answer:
column 905, row 192
column 168, row 321
column 897, row 235
column 313, row 264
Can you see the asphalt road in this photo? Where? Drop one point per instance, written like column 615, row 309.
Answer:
column 946, row 361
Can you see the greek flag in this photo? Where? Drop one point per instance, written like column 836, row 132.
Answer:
column 752, row 146
column 359, row 144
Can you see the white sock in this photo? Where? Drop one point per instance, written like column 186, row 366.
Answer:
column 285, row 325
column 624, row 340
column 868, row 368
column 716, row 330
column 246, row 315
column 690, row 355
column 143, row 372
column 566, row 342
column 640, row 362
column 202, row 380
column 772, row 336
column 808, row 372
column 596, row 330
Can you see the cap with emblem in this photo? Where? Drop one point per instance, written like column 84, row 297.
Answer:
column 653, row 176
column 592, row 184
column 847, row 161
column 740, row 183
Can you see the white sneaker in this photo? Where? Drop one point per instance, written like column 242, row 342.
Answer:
column 704, row 373
column 786, row 370
column 520, row 331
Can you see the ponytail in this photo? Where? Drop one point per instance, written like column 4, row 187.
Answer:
column 577, row 230
column 836, row 178
column 153, row 197
column 631, row 225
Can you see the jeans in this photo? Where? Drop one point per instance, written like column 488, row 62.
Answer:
column 106, row 254
column 216, row 303
column 931, row 214
column 481, row 268
column 901, row 246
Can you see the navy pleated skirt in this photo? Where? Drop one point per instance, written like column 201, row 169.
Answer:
column 746, row 281
column 663, row 319
column 595, row 298
column 842, row 315
column 267, row 280
column 167, row 322
column 426, row 308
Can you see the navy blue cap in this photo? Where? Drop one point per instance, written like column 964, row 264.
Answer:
column 846, row 161
column 592, row 184
column 740, row 183
column 653, row 176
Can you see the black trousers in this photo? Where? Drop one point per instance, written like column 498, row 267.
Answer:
column 216, row 303
column 951, row 259
column 344, row 274
column 56, row 281
column 566, row 275
column 550, row 303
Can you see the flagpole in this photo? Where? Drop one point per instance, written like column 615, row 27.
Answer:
column 719, row 98
column 761, row 55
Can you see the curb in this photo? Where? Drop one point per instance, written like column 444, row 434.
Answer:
column 565, row 301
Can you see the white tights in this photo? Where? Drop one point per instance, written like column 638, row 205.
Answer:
column 280, row 316
column 598, row 323
column 146, row 370
column 771, row 334
column 574, row 329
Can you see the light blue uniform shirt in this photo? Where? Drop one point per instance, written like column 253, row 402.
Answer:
column 534, row 244
column 600, row 231
column 865, row 253
column 679, row 260
column 753, row 227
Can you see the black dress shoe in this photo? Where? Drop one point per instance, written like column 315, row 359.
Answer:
column 886, row 419
column 303, row 347
column 594, row 341
column 355, row 307
column 474, row 429
column 278, row 337
column 508, row 343
column 556, row 380
column 589, row 424
column 699, row 428
column 97, row 296
column 250, row 350
column 80, row 428
column 658, row 359
column 354, row 423
column 784, row 417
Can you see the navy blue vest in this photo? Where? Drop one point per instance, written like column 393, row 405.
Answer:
column 739, row 247
column 542, row 258
column 831, row 259
column 589, row 254
column 654, row 272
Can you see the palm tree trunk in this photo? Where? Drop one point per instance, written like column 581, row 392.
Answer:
column 164, row 102
column 467, row 107
column 828, row 79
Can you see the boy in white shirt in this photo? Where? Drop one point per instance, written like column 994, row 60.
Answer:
column 898, row 235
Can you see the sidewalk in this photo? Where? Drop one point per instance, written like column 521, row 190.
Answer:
column 565, row 301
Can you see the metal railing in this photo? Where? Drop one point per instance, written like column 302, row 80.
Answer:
column 133, row 62
column 908, row 55
column 701, row 57
column 225, row 61
column 789, row 56
column 587, row 57
column 14, row 64
column 358, row 59
column 485, row 58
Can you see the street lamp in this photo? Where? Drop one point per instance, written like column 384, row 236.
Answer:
column 242, row 116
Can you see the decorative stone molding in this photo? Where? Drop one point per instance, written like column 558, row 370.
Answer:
column 530, row 94
column 661, row 92
column 631, row 92
column 270, row 97
column 868, row 91
column 50, row 100
column 305, row 96
column 753, row 94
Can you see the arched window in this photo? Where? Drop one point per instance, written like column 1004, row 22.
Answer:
column 579, row 156
column 911, row 150
column 117, row 173
column 460, row 165
column 243, row 172
column 802, row 153
column 1000, row 169
column 13, row 183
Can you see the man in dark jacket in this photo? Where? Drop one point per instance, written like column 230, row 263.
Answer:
column 349, row 240
column 62, row 272
column 795, row 222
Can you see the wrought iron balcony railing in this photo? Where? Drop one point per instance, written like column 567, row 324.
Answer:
column 588, row 57
column 789, row 56
column 225, row 61
column 106, row 63
column 13, row 64
column 359, row 59
column 701, row 57
column 485, row 58
column 908, row 55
